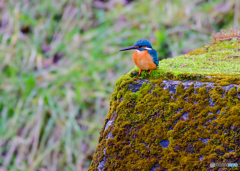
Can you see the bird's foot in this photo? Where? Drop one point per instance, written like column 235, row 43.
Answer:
column 150, row 72
column 140, row 71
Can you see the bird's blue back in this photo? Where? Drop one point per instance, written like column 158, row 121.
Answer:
column 153, row 53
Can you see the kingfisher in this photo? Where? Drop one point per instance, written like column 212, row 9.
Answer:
column 144, row 56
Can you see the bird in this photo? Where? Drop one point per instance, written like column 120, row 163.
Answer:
column 144, row 56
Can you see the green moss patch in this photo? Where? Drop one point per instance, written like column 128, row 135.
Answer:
column 220, row 58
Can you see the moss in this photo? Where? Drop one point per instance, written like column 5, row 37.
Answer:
column 224, row 83
column 144, row 118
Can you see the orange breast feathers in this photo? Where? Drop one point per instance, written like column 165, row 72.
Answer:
column 143, row 60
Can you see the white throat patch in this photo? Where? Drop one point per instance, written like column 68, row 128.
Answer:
column 148, row 48
column 144, row 48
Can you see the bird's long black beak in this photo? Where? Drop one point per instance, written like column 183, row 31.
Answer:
column 130, row 48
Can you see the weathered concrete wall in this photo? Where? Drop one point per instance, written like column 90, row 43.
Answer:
column 169, row 125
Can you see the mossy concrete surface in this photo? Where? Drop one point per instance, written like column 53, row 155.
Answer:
column 179, row 118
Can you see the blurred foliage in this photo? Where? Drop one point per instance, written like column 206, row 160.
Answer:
column 59, row 61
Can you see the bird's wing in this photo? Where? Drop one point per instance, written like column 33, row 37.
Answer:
column 153, row 53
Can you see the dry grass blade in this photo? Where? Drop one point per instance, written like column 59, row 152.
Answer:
column 233, row 56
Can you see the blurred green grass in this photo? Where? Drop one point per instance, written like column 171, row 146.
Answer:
column 59, row 62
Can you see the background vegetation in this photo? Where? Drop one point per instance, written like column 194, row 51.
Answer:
column 59, row 61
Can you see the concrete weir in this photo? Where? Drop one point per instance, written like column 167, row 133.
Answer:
column 184, row 116
column 189, row 125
